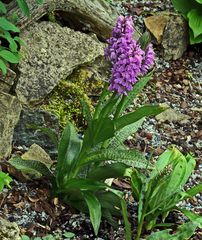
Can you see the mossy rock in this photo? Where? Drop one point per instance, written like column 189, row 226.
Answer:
column 64, row 101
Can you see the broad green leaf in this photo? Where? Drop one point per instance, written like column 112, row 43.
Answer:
column 94, row 210
column 83, row 185
column 102, row 131
column 2, row 8
column 8, row 26
column 195, row 22
column 193, row 40
column 176, row 178
column 199, row 1
column 5, row 180
column 138, row 87
column 137, row 115
column 3, row 67
column 110, row 202
column 23, row 7
column 113, row 170
column 130, row 157
column 184, row 232
column 161, row 163
column 29, row 166
column 184, row 6
column 124, row 133
column 9, row 56
column 68, row 150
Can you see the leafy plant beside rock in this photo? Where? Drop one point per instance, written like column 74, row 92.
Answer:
column 192, row 12
column 159, row 191
column 9, row 52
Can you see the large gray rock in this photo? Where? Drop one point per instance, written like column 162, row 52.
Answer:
column 9, row 115
column 51, row 53
column 27, row 130
column 171, row 31
column 9, row 230
column 96, row 16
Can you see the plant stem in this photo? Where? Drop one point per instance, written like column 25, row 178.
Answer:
column 119, row 107
column 139, row 228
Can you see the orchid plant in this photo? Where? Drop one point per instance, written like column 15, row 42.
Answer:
column 84, row 163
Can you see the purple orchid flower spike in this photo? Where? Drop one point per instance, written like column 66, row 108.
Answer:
column 128, row 59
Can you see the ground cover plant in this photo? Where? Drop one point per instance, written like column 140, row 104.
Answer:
column 83, row 162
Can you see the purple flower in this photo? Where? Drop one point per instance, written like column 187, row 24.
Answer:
column 148, row 61
column 128, row 59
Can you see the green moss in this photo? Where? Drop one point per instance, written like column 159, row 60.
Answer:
column 64, row 101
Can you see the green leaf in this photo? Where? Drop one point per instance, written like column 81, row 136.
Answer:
column 23, row 7
column 161, row 163
column 3, row 67
column 94, row 210
column 110, row 202
column 184, row 231
column 137, row 115
column 138, row 87
column 25, row 237
column 191, row 163
column 102, row 129
column 68, row 150
column 12, row 44
column 29, row 166
column 137, row 180
column 5, row 180
column 68, row 234
column 113, row 170
column 9, row 56
column 193, row 191
column 193, row 40
column 83, row 185
column 124, row 133
column 130, row 157
column 192, row 216
column 199, row 1
column 19, row 40
column 2, row 8
column 126, row 221
column 8, row 26
column 110, row 105
column 184, row 6
column 195, row 22
column 39, row 1
column 175, row 181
